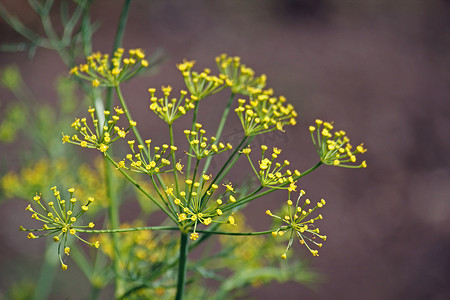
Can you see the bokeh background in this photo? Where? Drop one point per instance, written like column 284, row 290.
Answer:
column 378, row 68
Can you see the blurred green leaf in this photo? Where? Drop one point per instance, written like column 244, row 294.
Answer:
column 11, row 78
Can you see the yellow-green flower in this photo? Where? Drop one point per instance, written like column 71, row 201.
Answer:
column 335, row 149
column 101, row 136
column 170, row 109
column 59, row 219
column 200, row 85
column 201, row 146
column 297, row 222
column 264, row 113
column 273, row 174
column 199, row 205
column 239, row 77
column 144, row 161
column 103, row 71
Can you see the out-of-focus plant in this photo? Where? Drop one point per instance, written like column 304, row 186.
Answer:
column 150, row 261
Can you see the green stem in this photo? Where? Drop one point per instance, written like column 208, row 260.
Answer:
column 230, row 162
column 219, row 130
column 117, row 43
column 192, row 185
column 174, row 162
column 47, row 274
column 170, row 228
column 194, row 119
column 135, row 130
column 182, row 264
column 20, row 28
column 168, row 203
column 225, row 168
column 128, row 229
column 128, row 114
column 141, row 189
column 254, row 196
column 113, row 214
column 122, row 24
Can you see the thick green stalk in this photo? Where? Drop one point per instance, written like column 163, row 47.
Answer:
column 114, row 207
column 219, row 130
column 182, row 265
column 114, row 221
column 48, row 269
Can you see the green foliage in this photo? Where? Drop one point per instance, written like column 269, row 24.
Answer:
column 139, row 260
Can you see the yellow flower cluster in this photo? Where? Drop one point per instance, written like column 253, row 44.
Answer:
column 264, row 113
column 335, row 149
column 103, row 71
column 59, row 218
column 193, row 201
column 200, row 85
column 201, row 146
column 298, row 223
column 101, row 136
column 170, row 110
column 271, row 174
column 239, row 77
column 144, row 162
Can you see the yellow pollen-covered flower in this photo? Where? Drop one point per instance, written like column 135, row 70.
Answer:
column 334, row 148
column 298, row 221
column 100, row 69
column 59, row 220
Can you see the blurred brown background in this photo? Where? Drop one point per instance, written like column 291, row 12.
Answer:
column 378, row 68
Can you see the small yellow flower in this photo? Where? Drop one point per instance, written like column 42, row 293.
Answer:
column 170, row 109
column 264, row 113
column 59, row 220
column 101, row 69
column 240, row 78
column 334, row 149
column 208, row 147
column 200, row 85
column 300, row 224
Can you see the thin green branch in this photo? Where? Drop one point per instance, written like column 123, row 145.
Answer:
column 117, row 43
column 142, row 190
column 219, row 130
column 254, row 196
column 23, row 30
column 174, row 160
column 194, row 120
column 173, row 228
